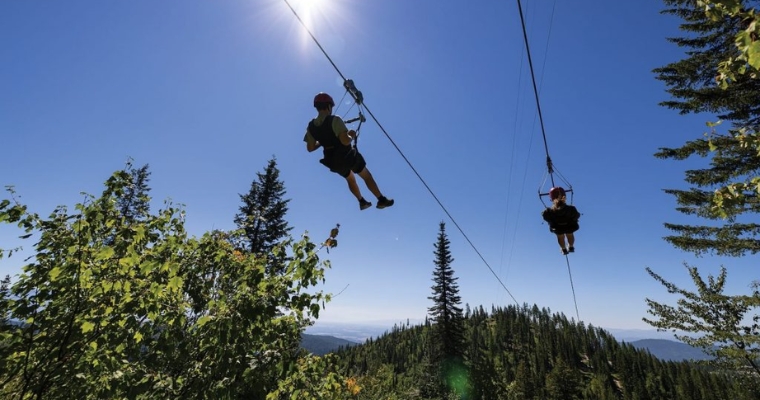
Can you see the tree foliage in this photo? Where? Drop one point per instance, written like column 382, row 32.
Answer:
column 134, row 202
column 719, row 192
column 746, row 40
column 261, row 217
column 725, row 192
column 110, row 307
column 447, row 346
column 731, row 331
column 530, row 353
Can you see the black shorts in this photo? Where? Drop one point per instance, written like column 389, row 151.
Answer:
column 562, row 229
column 343, row 162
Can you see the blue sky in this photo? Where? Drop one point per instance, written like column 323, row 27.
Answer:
column 207, row 92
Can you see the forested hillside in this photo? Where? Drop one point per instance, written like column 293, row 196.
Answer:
column 530, row 353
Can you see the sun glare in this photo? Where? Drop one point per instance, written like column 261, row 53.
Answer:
column 309, row 10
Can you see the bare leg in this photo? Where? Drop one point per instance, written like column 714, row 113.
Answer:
column 570, row 239
column 353, row 186
column 370, row 181
column 561, row 240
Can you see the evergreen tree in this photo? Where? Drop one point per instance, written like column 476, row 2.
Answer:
column 746, row 40
column 262, row 215
column 691, row 82
column 133, row 202
column 522, row 386
column 562, row 383
column 723, row 192
column 448, row 345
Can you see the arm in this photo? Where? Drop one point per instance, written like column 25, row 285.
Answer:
column 312, row 146
column 547, row 215
column 347, row 136
column 575, row 214
column 311, row 143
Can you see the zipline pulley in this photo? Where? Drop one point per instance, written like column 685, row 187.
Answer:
column 358, row 97
column 551, row 171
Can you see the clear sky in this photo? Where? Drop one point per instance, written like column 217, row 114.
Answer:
column 206, row 92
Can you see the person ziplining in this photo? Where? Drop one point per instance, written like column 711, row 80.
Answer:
column 340, row 154
column 562, row 219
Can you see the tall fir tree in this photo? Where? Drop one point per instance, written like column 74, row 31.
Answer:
column 261, row 217
column 134, row 202
column 448, row 343
column 691, row 82
column 722, row 192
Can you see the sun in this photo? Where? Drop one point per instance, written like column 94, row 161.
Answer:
column 309, row 10
column 323, row 20
column 306, row 6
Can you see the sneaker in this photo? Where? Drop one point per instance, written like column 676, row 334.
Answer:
column 572, row 249
column 564, row 251
column 364, row 204
column 383, row 202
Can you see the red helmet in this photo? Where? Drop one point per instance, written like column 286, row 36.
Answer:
column 556, row 193
column 323, row 98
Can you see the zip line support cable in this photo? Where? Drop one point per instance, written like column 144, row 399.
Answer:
column 359, row 98
column 549, row 165
column 535, row 86
column 572, row 287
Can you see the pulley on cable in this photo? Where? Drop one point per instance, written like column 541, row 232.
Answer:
column 351, row 89
column 552, row 176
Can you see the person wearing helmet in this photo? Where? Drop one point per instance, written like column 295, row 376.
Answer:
column 562, row 219
column 329, row 132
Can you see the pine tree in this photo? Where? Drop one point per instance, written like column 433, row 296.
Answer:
column 262, row 215
column 133, row 203
column 691, row 82
column 448, row 344
column 562, row 383
column 724, row 192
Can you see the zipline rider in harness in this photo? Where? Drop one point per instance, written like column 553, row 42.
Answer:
column 562, row 219
column 330, row 132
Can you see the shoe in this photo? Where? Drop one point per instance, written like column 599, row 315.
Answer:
column 364, row 204
column 383, row 202
column 572, row 249
column 564, row 251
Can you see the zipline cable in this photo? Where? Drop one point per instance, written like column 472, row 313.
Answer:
column 572, row 287
column 404, row 157
column 543, row 133
column 533, row 79
column 530, row 146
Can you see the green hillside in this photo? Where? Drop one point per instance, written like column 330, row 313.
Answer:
column 530, row 353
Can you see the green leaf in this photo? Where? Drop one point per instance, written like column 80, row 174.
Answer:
column 753, row 54
column 129, row 261
column 175, row 284
column 104, row 253
column 203, row 320
column 54, row 273
column 87, row 327
column 138, row 337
